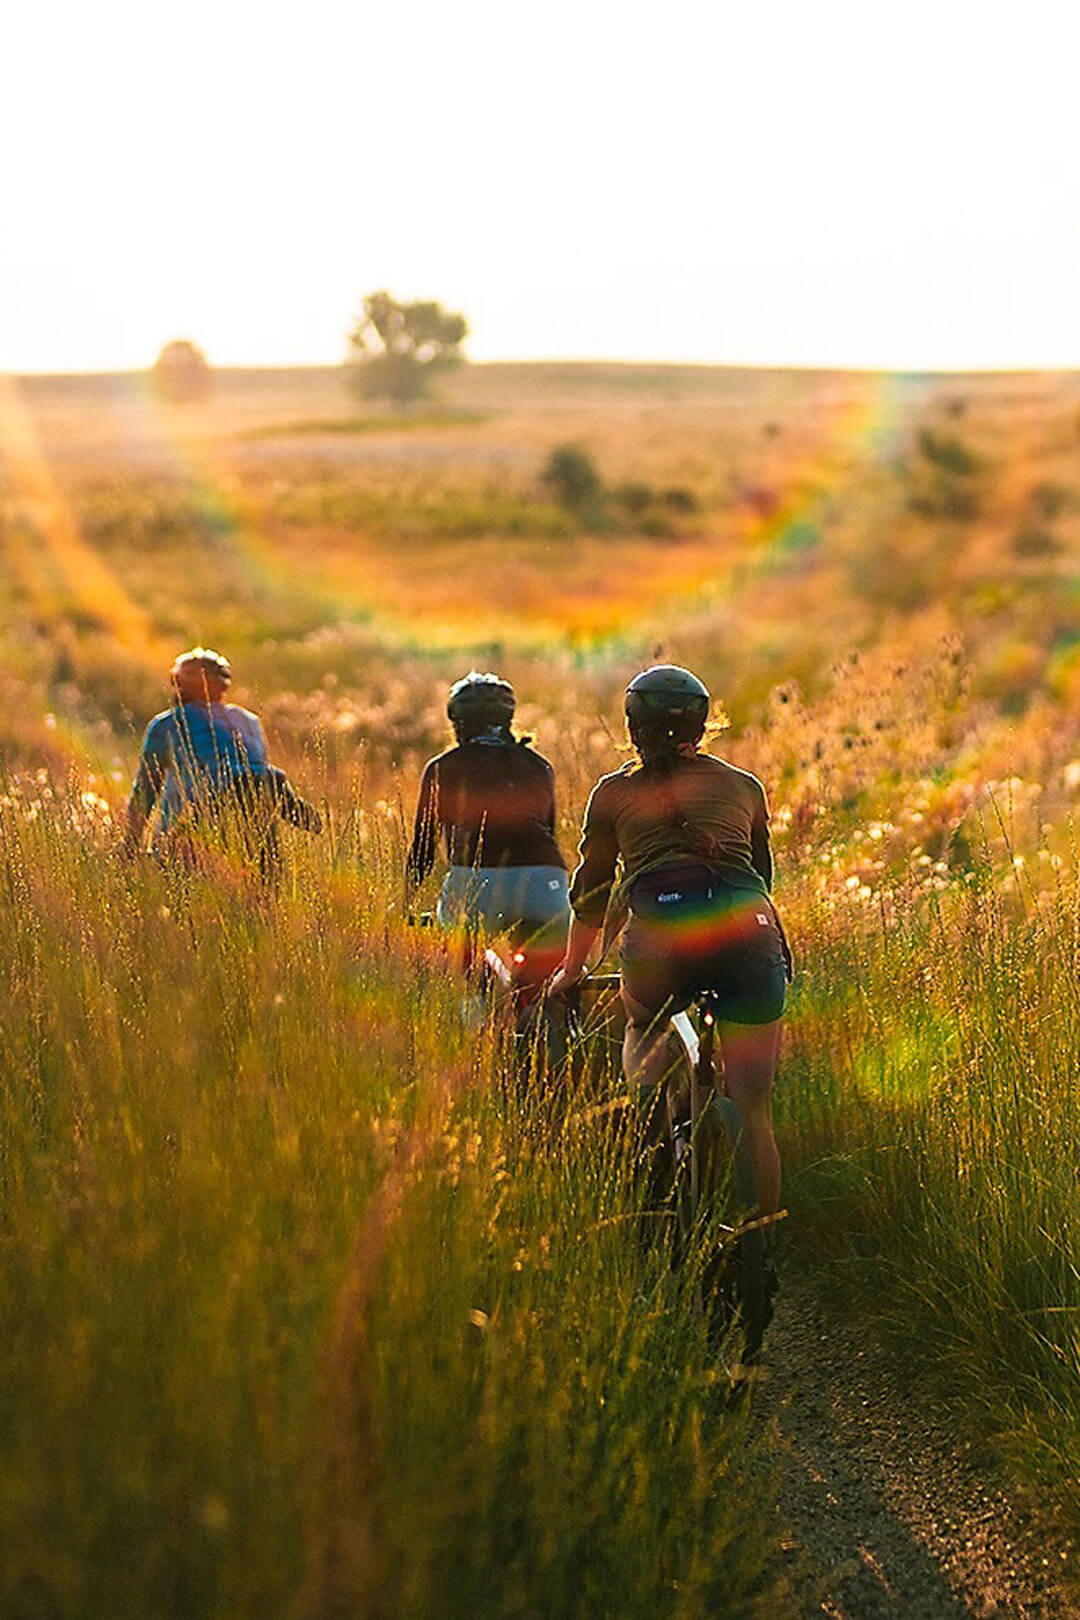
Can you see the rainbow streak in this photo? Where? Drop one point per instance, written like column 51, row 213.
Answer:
column 225, row 516
column 90, row 580
column 777, row 517
column 867, row 416
column 707, row 928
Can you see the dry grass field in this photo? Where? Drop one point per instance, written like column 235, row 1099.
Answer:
column 295, row 1315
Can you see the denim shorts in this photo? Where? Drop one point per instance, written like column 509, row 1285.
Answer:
column 525, row 899
column 733, row 948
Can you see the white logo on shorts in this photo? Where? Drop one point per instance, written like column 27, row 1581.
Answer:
column 762, row 919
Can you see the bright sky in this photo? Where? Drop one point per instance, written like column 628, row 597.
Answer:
column 846, row 182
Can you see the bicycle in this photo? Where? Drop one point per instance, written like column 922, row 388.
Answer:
column 698, row 1163
column 539, row 1026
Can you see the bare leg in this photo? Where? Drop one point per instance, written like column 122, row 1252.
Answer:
column 750, row 1057
column 646, row 1057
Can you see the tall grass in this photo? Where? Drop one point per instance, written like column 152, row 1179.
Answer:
column 300, row 1312
column 931, row 1112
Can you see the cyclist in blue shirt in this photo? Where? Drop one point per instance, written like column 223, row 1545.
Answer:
column 203, row 756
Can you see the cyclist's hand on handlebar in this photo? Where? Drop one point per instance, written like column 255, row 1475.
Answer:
column 561, row 981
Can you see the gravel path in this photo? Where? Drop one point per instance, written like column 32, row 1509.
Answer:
column 883, row 1513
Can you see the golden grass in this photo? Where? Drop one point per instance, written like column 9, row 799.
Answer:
column 293, row 1302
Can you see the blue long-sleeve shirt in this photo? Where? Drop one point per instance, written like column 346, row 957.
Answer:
column 194, row 750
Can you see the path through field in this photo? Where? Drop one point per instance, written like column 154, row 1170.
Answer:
column 884, row 1514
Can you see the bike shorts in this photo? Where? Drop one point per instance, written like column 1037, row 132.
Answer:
column 733, row 948
column 526, row 900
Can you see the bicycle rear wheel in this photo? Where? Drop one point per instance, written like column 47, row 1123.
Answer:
column 749, row 1262
column 715, row 1176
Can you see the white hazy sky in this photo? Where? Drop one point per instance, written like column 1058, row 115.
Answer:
column 844, row 182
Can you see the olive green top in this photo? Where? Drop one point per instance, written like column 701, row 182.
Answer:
column 700, row 811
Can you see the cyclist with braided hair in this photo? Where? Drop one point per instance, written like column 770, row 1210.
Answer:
column 691, row 833
column 491, row 798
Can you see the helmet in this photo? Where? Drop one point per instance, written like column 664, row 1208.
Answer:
column 478, row 701
column 667, row 702
column 199, row 668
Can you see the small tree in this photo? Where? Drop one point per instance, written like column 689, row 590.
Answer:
column 182, row 373
column 395, row 349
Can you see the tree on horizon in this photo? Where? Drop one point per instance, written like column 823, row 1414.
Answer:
column 395, row 348
column 182, row 373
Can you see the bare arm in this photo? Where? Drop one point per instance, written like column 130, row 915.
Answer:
column 589, row 891
column 598, row 854
column 579, row 943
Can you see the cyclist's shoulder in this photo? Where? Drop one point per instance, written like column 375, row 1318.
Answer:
column 244, row 716
column 612, row 785
column 160, row 727
column 448, row 758
column 532, row 757
column 724, row 770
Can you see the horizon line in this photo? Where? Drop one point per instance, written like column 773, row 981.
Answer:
column 798, row 366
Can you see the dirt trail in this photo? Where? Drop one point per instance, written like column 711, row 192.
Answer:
column 884, row 1515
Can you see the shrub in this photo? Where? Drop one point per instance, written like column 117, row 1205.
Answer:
column 954, row 501
column 1050, row 499
column 948, row 453
column 635, row 497
column 678, row 499
column 570, row 476
column 946, row 500
column 1035, row 540
column 656, row 526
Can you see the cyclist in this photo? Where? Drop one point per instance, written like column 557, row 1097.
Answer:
column 692, row 834
column 492, row 798
column 203, row 759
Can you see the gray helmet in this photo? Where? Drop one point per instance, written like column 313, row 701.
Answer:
column 667, row 700
column 479, row 700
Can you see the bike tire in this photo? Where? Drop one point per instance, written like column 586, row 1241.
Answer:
column 749, row 1260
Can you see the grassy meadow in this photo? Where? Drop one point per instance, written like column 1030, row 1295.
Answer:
column 300, row 1314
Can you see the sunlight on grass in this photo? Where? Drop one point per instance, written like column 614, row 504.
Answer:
column 304, row 1309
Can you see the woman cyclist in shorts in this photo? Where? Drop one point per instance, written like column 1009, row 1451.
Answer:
column 692, row 835
column 492, row 799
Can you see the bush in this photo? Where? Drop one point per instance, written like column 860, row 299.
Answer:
column 182, row 374
column 570, row 476
column 635, row 497
column 1050, row 500
column 678, row 499
column 1035, row 540
column 948, row 453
